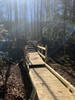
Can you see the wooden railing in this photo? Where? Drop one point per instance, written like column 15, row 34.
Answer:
column 65, row 82
column 41, row 51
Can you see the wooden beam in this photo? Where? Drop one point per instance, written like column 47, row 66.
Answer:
column 65, row 82
column 46, row 54
column 41, row 47
column 34, row 92
column 41, row 55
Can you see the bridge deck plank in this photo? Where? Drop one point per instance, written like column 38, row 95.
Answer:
column 48, row 87
column 35, row 59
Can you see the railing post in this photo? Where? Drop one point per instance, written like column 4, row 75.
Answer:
column 24, row 55
column 25, row 49
column 46, row 54
column 42, row 51
column 37, row 49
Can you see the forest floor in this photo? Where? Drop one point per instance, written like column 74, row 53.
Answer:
column 13, row 86
column 65, row 71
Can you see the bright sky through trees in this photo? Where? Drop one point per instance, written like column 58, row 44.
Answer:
column 28, row 17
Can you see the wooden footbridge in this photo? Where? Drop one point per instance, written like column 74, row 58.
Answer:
column 47, row 83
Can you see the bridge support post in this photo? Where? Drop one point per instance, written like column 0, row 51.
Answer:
column 46, row 53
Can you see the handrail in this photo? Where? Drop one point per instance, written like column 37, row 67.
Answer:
column 40, row 47
column 41, row 55
column 65, row 82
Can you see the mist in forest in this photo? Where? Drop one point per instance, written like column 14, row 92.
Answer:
column 35, row 19
column 49, row 21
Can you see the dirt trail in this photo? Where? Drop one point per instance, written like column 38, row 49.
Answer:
column 14, row 84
